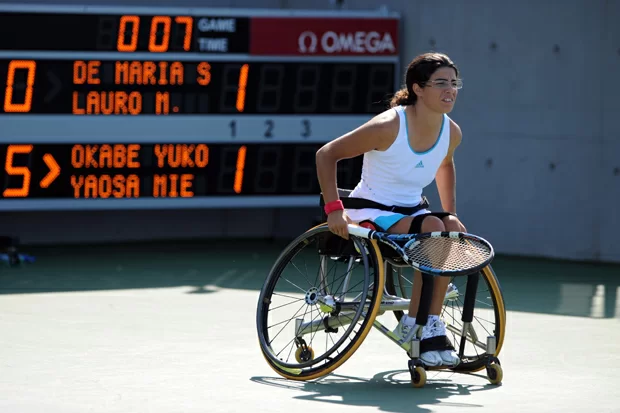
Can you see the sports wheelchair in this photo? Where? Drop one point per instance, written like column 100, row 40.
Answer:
column 324, row 294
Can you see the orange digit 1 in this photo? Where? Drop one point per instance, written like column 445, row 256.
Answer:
column 165, row 41
column 17, row 170
column 9, row 106
column 189, row 24
column 121, row 46
column 243, row 82
column 240, row 167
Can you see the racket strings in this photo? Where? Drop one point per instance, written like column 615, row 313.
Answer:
column 448, row 254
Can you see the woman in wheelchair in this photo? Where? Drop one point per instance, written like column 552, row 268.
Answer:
column 405, row 148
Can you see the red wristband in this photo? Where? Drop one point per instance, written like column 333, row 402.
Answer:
column 333, row 206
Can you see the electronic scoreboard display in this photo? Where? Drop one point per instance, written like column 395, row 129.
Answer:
column 148, row 87
column 128, row 107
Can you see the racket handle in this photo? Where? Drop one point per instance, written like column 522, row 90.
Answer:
column 359, row 231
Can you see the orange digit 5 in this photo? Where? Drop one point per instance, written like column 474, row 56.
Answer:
column 17, row 170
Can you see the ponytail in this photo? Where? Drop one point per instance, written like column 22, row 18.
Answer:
column 402, row 97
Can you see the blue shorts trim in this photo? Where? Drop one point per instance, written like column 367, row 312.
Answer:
column 387, row 221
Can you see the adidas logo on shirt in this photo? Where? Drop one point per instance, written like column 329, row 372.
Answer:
column 420, row 165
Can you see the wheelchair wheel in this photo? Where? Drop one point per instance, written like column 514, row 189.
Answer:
column 318, row 303
column 489, row 314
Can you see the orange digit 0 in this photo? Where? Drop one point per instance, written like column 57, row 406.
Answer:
column 121, row 46
column 9, row 106
column 17, row 170
column 163, row 47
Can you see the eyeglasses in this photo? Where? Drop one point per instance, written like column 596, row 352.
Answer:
column 446, row 84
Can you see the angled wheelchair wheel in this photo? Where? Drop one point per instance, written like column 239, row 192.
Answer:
column 318, row 303
column 477, row 341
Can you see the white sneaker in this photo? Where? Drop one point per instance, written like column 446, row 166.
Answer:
column 433, row 328
column 406, row 323
column 404, row 326
column 452, row 293
column 431, row 358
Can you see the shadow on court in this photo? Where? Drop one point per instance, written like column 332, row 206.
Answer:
column 529, row 285
column 560, row 287
column 389, row 391
column 204, row 265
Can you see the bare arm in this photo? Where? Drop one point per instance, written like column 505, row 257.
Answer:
column 446, row 174
column 377, row 133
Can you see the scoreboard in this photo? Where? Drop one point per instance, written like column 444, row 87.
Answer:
column 129, row 107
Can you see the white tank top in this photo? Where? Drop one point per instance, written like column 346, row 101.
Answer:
column 398, row 175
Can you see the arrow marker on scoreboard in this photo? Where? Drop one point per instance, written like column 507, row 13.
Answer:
column 53, row 173
column 56, row 86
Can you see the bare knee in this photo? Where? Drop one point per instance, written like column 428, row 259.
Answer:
column 432, row 224
column 401, row 227
column 452, row 223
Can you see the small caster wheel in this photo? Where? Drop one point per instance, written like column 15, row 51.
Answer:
column 495, row 373
column 303, row 354
column 418, row 377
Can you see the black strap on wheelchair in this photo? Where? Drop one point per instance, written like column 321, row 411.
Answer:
column 437, row 343
column 361, row 203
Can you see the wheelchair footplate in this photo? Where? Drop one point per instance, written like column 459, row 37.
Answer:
column 418, row 368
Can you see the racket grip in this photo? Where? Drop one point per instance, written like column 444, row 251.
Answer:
column 359, row 231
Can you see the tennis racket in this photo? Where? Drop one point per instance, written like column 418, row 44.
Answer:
column 436, row 253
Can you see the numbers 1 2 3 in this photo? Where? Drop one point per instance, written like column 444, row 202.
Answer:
column 269, row 125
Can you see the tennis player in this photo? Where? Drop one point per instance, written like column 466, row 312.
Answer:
column 405, row 148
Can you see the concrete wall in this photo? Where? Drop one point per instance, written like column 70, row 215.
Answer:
column 539, row 168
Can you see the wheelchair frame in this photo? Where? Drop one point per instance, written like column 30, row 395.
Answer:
column 340, row 313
